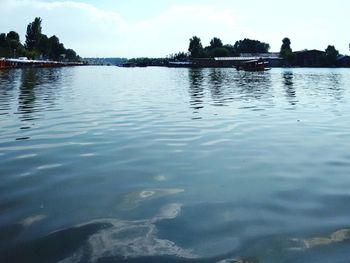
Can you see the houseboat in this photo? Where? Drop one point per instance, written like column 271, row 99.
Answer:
column 23, row 62
column 253, row 65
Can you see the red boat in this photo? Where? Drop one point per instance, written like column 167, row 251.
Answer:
column 254, row 65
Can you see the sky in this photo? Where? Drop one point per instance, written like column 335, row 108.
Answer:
column 157, row 28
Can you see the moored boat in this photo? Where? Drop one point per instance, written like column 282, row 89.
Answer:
column 253, row 65
column 23, row 62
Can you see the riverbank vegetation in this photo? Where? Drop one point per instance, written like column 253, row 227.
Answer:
column 329, row 57
column 217, row 49
column 36, row 46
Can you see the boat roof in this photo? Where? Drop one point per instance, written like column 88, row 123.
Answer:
column 243, row 58
column 25, row 61
column 180, row 62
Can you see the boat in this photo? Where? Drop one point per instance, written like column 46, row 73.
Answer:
column 2, row 63
column 23, row 62
column 253, row 65
column 181, row 64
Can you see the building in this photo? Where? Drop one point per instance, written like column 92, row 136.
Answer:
column 343, row 61
column 309, row 58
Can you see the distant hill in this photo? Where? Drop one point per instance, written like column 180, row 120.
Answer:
column 106, row 61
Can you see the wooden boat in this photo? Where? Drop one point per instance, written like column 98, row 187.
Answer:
column 253, row 65
column 2, row 63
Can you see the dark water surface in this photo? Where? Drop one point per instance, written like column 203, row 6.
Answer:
column 106, row 164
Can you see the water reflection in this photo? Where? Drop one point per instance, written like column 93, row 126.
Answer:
column 217, row 78
column 9, row 81
column 228, row 85
column 196, row 80
column 26, row 98
column 239, row 183
column 288, row 83
column 335, row 85
column 254, row 85
column 37, row 92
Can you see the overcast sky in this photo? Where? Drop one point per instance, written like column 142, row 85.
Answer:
column 156, row 28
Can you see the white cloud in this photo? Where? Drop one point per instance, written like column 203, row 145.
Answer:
column 93, row 31
column 96, row 32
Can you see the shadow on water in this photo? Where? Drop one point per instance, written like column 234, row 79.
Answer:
column 196, row 89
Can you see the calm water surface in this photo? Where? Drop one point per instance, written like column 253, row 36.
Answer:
column 106, row 164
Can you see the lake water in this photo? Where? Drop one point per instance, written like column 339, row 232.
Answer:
column 107, row 164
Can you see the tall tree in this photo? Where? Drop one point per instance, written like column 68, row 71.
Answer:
column 44, row 46
column 2, row 39
column 195, row 47
column 56, row 48
column 285, row 48
column 12, row 35
column 12, row 39
column 4, row 49
column 251, row 46
column 71, row 55
column 215, row 43
column 286, row 51
column 33, row 35
column 331, row 55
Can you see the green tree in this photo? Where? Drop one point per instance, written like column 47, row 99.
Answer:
column 13, row 43
column 195, row 47
column 36, row 43
column 251, row 46
column 331, row 55
column 33, row 34
column 286, row 51
column 56, row 48
column 71, row 55
column 44, row 47
column 215, row 43
column 180, row 56
column 219, row 52
column 12, row 35
column 4, row 49
column 285, row 48
column 231, row 49
column 2, row 40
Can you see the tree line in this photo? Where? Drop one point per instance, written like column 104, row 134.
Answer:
column 217, row 49
column 37, row 45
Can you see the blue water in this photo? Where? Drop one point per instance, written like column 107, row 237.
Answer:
column 107, row 164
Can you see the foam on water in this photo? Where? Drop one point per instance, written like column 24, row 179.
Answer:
column 132, row 200
column 131, row 239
